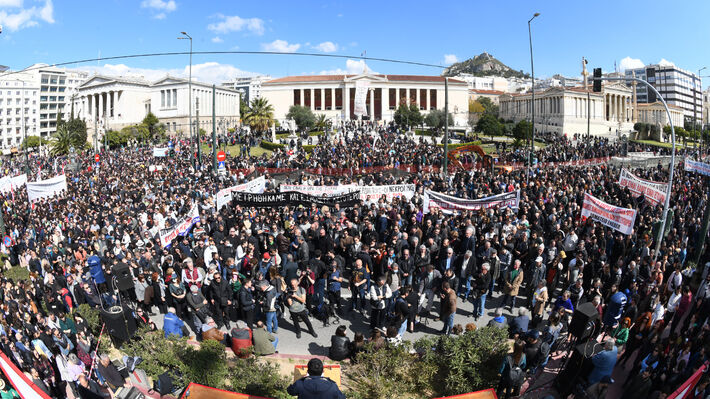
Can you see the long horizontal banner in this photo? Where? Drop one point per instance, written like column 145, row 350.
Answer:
column 169, row 234
column 46, row 188
column 617, row 218
column 449, row 204
column 294, row 198
column 654, row 192
column 161, row 152
column 223, row 197
column 367, row 193
column 319, row 190
column 697, row 167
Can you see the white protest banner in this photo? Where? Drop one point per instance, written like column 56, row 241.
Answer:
column 654, row 192
column 449, row 204
column 374, row 193
column 319, row 190
column 256, row 186
column 8, row 183
column 619, row 219
column 697, row 167
column 168, row 235
column 153, row 168
column 46, row 188
column 160, row 152
column 361, row 90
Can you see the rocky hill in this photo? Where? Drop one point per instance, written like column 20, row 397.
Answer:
column 483, row 64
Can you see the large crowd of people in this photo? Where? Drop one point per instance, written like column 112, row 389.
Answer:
column 242, row 269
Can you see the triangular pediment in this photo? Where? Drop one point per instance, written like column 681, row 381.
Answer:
column 97, row 80
column 366, row 76
column 167, row 80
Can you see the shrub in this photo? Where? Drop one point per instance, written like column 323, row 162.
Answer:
column 160, row 354
column 267, row 145
column 91, row 316
column 454, row 146
column 252, row 377
column 207, row 365
column 17, row 273
column 308, row 148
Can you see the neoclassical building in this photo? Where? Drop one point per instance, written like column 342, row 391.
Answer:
column 108, row 102
column 334, row 95
column 565, row 110
column 655, row 113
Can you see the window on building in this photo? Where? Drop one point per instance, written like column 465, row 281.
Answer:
column 432, row 95
column 328, row 99
column 339, row 98
column 307, row 98
column 317, row 100
column 422, row 99
column 175, row 103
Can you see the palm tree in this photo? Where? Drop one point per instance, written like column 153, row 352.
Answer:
column 260, row 115
column 62, row 140
column 322, row 122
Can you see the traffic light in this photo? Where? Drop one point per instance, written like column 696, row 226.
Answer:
column 597, row 88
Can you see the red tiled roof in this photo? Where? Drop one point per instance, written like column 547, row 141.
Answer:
column 335, row 78
column 498, row 92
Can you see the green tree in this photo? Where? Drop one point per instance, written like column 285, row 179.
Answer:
column 488, row 106
column 260, row 115
column 302, row 116
column 489, row 125
column 62, row 140
column 32, row 142
column 152, row 123
column 322, row 122
column 475, row 110
column 77, row 129
column 435, row 119
column 118, row 139
column 60, row 121
column 521, row 130
column 415, row 116
column 243, row 106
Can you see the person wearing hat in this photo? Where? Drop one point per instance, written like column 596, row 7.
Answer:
column 314, row 385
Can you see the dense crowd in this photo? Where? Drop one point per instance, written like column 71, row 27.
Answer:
column 250, row 268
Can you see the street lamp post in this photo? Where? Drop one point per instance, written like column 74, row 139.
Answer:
column 695, row 115
column 189, row 95
column 532, row 71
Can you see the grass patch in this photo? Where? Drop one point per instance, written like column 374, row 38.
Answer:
column 284, row 135
column 654, row 143
column 234, row 150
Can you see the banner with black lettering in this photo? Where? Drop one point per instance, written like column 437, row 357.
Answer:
column 223, row 196
column 449, row 204
column 654, row 192
column 169, row 234
column 617, row 218
column 294, row 198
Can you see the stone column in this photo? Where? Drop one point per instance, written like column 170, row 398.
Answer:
column 346, row 102
column 371, row 101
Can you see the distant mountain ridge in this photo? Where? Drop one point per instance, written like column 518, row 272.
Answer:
column 483, row 64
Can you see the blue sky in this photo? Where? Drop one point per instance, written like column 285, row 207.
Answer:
column 627, row 32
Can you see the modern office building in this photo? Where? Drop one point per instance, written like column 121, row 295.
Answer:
column 678, row 87
column 249, row 87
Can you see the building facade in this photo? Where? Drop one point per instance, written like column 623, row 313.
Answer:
column 249, row 87
column 334, row 95
column 493, row 95
column 677, row 86
column 111, row 103
column 565, row 110
column 705, row 117
column 655, row 114
column 32, row 99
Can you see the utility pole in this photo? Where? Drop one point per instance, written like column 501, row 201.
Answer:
column 700, row 245
column 446, row 130
column 586, row 88
column 214, row 133
column 532, row 106
column 197, row 129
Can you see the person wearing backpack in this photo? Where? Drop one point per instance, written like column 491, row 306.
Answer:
column 512, row 374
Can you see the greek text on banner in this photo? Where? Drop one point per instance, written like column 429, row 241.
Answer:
column 654, row 192
column 448, row 204
column 617, row 218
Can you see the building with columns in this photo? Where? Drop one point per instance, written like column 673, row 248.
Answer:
column 655, row 114
column 334, row 95
column 565, row 110
column 111, row 103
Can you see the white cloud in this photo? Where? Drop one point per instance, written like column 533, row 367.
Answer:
column 630, row 63
column 161, row 15
column 236, row 23
column 19, row 18
column 326, row 47
column 281, row 46
column 352, row 67
column 160, row 5
column 665, row 62
column 208, row 72
column 450, row 59
column 217, row 39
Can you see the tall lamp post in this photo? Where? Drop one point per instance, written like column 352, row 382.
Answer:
column 532, row 106
column 189, row 95
column 695, row 103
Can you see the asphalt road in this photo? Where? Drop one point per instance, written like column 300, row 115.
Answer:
column 355, row 322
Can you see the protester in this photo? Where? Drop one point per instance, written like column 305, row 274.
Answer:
column 314, row 385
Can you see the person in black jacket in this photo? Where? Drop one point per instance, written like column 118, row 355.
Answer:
column 479, row 287
column 314, row 385
column 220, row 294
column 339, row 345
column 246, row 302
